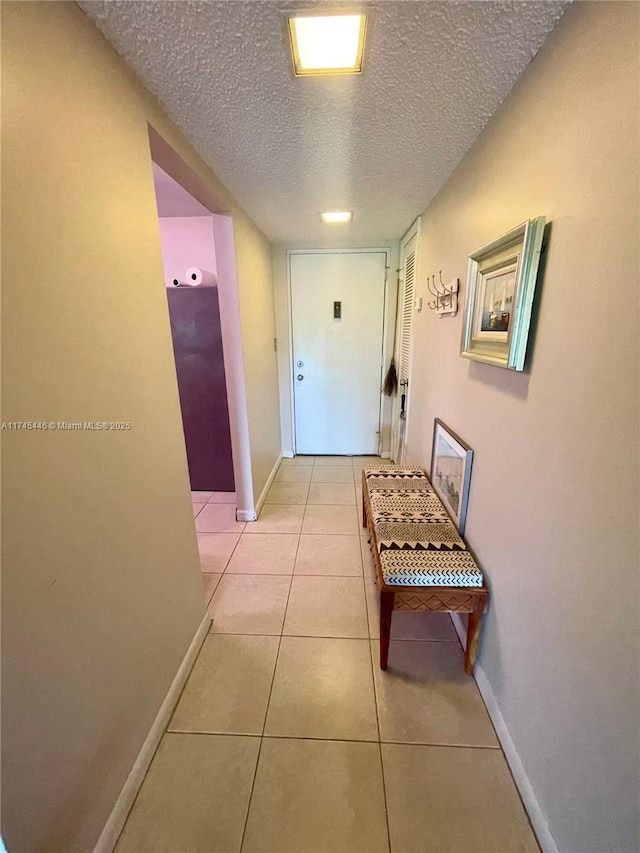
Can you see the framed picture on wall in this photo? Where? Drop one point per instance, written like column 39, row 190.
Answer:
column 501, row 284
column 450, row 475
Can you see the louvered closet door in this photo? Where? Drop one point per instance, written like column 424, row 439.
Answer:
column 406, row 320
column 408, row 260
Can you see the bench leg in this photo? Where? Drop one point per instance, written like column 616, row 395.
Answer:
column 386, row 611
column 364, row 512
column 473, row 637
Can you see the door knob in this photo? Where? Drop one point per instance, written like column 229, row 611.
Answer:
column 299, row 377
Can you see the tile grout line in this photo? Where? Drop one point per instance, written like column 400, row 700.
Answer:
column 184, row 687
column 375, row 703
column 222, row 574
column 430, row 745
column 207, row 601
column 234, row 501
column 375, row 692
column 323, row 636
column 266, row 711
column 284, row 619
column 284, row 575
column 318, row 636
column 155, row 752
column 281, row 533
column 365, row 578
column 202, row 506
column 235, row 547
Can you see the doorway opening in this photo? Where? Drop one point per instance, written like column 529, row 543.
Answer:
column 188, row 254
column 187, row 196
column 198, row 255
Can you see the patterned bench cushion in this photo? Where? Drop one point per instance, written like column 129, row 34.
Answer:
column 399, row 477
column 400, row 472
column 430, row 568
column 404, row 484
column 407, row 507
column 435, row 536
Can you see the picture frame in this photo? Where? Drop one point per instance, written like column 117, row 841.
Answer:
column 450, row 472
column 501, row 283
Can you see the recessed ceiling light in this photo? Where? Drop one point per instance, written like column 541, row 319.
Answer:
column 335, row 216
column 327, row 44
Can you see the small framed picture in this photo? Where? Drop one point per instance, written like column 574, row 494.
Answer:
column 450, row 476
column 500, row 288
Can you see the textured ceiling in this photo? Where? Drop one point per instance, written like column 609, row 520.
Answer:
column 380, row 144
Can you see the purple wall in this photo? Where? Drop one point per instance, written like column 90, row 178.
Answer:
column 188, row 241
column 197, row 346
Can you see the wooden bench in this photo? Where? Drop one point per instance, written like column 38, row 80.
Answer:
column 421, row 561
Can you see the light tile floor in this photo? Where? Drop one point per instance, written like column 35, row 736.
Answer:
column 288, row 738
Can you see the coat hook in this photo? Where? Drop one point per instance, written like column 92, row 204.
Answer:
column 445, row 295
column 431, row 289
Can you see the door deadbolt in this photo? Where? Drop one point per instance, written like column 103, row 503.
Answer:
column 299, row 377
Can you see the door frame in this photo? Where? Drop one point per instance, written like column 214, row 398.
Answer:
column 384, row 350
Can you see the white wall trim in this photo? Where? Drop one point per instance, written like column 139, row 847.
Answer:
column 230, row 321
column 120, row 812
column 529, row 799
column 246, row 514
column 267, row 486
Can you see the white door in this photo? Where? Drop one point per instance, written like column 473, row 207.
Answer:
column 337, row 308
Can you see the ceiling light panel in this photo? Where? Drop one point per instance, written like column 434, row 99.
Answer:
column 336, row 216
column 327, row 44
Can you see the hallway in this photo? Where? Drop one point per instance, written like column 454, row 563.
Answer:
column 287, row 736
column 467, row 121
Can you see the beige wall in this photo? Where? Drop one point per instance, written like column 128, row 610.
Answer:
column 553, row 514
column 101, row 587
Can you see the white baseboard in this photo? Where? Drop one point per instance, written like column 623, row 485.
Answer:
column 246, row 515
column 267, row 486
column 120, row 812
column 531, row 804
column 288, row 454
